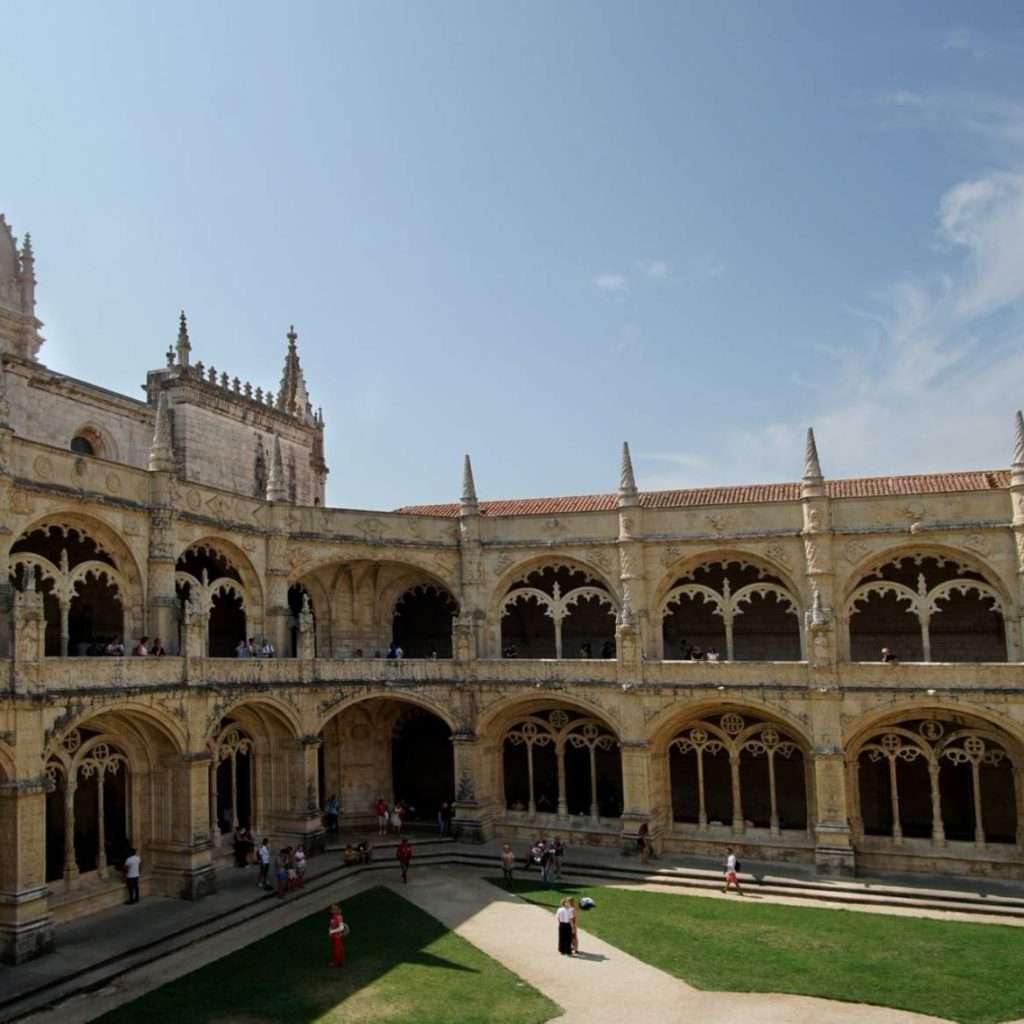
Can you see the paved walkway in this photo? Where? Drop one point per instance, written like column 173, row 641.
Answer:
column 604, row 985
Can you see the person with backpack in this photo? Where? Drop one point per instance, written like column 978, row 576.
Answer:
column 732, row 869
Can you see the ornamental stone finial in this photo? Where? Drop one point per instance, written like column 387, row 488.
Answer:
column 468, row 501
column 812, row 484
column 161, row 451
column 628, row 494
column 277, row 490
column 183, row 346
column 1017, row 469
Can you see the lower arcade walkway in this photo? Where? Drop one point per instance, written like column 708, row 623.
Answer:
column 116, row 954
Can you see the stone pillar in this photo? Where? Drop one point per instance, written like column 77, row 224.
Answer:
column 1015, row 630
column 277, row 616
column 300, row 821
column 26, row 927
column 638, row 799
column 162, row 609
column 632, row 577
column 472, row 823
column 182, row 865
column 834, row 853
column 29, row 637
column 195, row 631
column 819, row 643
column 6, row 590
column 469, row 630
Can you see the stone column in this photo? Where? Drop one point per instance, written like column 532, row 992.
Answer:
column 26, row 927
column 277, row 616
column 162, row 597
column 6, row 590
column 639, row 804
column 300, row 821
column 472, row 823
column 833, row 852
column 469, row 630
column 29, row 637
column 632, row 574
column 818, row 641
column 182, row 864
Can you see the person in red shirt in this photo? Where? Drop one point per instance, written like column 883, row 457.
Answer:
column 382, row 816
column 335, row 931
column 404, row 855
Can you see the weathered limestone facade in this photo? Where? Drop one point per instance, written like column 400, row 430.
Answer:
column 546, row 679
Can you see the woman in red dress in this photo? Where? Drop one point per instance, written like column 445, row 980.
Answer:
column 335, row 931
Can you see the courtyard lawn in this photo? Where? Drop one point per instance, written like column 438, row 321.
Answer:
column 961, row 971
column 401, row 967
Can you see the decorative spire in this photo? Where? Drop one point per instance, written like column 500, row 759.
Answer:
column 19, row 328
column 292, row 396
column 1017, row 469
column 161, row 451
column 628, row 494
column 812, row 484
column 468, row 501
column 184, row 346
column 277, row 489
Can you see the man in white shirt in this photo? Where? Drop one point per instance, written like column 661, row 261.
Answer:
column 263, row 858
column 732, row 868
column 132, row 865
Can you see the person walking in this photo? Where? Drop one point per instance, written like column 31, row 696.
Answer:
column 335, row 932
column 132, row 866
column 732, row 869
column 508, row 862
column 564, row 918
column 396, row 820
column 404, row 855
column 263, row 859
column 299, row 860
column 382, row 817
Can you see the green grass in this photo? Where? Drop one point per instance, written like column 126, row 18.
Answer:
column 960, row 971
column 401, row 967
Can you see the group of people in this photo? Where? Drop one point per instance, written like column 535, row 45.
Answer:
column 114, row 647
column 546, row 855
column 692, row 652
column 251, row 648
column 289, row 867
column 390, row 819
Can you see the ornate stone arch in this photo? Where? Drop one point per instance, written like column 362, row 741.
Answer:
column 238, row 559
column 104, row 445
column 494, row 719
column 957, row 575
column 328, row 710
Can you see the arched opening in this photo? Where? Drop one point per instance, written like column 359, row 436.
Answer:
column 391, row 750
column 737, row 771
column 732, row 609
column 926, row 607
column 561, row 762
column 422, row 621
column 557, row 611
column 232, row 776
column 210, row 581
column 937, row 777
column 82, row 445
column 83, row 591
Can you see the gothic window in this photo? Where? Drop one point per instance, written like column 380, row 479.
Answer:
column 736, row 608
column 926, row 607
column 558, row 610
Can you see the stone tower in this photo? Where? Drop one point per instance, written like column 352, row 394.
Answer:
column 19, row 328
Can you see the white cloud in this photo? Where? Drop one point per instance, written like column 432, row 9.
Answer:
column 610, row 282
column 656, row 270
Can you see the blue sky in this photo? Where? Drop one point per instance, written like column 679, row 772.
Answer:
column 530, row 231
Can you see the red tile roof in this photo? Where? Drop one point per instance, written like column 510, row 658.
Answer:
column 862, row 487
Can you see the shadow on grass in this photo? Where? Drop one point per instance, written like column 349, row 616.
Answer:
column 432, row 974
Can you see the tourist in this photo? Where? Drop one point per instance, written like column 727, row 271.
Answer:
column 331, row 811
column 888, row 656
column 299, row 860
column 713, row 654
column 243, row 847
column 508, row 862
column 115, row 649
column 335, row 931
column 564, row 916
column 643, row 843
column 357, row 653
column 364, row 851
column 557, row 852
column 442, row 819
column 575, row 934
column 350, row 855
column 732, row 868
column 253, row 648
column 608, row 649
column 391, row 651
column 263, row 859
column 132, row 865
column 267, row 650
column 382, row 817
column 404, row 855
column 281, row 871
column 396, row 820
column 157, row 648
column 141, row 649
column 547, row 860
column 433, row 654
column 242, row 650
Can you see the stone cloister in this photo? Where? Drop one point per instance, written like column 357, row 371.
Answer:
column 555, row 676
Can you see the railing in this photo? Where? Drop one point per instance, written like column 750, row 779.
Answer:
column 60, row 674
